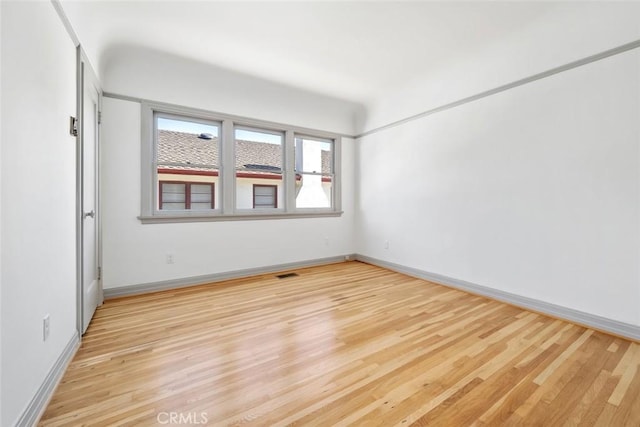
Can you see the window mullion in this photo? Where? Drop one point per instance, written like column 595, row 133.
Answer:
column 227, row 165
column 289, row 172
column 148, row 162
column 336, row 176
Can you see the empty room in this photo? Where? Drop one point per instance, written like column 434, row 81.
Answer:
column 324, row 213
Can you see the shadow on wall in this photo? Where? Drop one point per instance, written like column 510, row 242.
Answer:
column 156, row 75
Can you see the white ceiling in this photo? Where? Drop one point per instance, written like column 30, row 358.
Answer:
column 350, row 50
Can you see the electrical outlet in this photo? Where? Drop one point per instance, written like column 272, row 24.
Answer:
column 386, row 244
column 326, row 241
column 170, row 259
column 45, row 328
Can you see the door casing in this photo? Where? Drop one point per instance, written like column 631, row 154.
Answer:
column 84, row 72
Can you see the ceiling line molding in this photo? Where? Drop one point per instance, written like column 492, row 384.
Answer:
column 65, row 21
column 233, row 117
column 566, row 67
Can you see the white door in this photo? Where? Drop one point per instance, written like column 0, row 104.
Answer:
column 91, row 294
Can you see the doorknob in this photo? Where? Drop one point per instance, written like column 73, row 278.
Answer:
column 91, row 214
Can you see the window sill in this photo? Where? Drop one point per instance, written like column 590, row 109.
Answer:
column 181, row 218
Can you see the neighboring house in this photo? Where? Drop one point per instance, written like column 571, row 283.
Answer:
column 188, row 174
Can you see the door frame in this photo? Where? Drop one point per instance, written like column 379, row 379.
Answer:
column 83, row 67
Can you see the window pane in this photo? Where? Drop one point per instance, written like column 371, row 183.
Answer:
column 200, row 206
column 265, row 196
column 174, row 188
column 258, row 162
column 313, row 191
column 188, row 150
column 173, row 206
column 172, row 196
column 264, row 191
column 262, row 201
column 187, row 143
column 201, row 196
column 313, row 156
column 314, row 172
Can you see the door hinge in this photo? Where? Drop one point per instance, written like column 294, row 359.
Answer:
column 99, row 117
column 73, row 126
column 99, row 273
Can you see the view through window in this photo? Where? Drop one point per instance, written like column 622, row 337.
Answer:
column 258, row 161
column 186, row 164
column 209, row 166
column 314, row 172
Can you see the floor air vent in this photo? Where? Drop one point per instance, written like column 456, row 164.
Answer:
column 286, row 275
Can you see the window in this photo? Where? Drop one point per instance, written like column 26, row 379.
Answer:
column 314, row 172
column 186, row 196
column 200, row 166
column 258, row 161
column 186, row 162
column 265, row 196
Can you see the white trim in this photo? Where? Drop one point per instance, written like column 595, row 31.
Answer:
column 227, row 175
column 615, row 327
column 245, row 216
column 218, row 277
column 336, row 183
column 265, row 130
column 38, row 404
column 147, row 160
column 79, row 101
column 65, row 21
column 566, row 67
column 86, row 73
column 288, row 170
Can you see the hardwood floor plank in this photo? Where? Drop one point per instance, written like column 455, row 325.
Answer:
column 626, row 369
column 627, row 412
column 473, row 407
column 342, row 344
column 540, row 379
column 586, row 401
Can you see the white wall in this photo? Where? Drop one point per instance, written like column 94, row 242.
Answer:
column 566, row 32
column 162, row 77
column 38, row 198
column 533, row 191
column 134, row 253
column 0, row 218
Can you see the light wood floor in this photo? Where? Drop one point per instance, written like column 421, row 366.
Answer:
column 344, row 344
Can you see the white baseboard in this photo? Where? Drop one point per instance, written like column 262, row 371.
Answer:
column 621, row 329
column 590, row 320
column 38, row 404
column 218, row 277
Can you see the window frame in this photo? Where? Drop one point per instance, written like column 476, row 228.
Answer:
column 225, row 206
